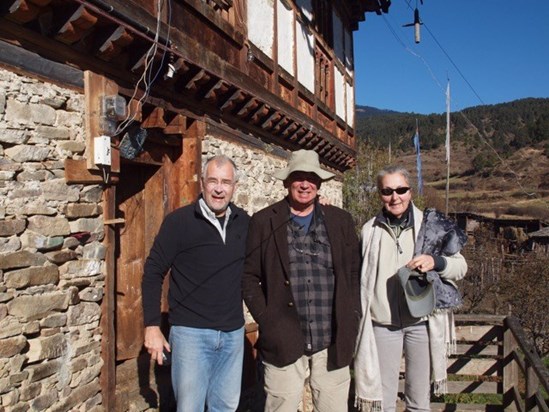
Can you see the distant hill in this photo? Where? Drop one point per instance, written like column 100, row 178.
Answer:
column 367, row 111
column 499, row 154
column 507, row 126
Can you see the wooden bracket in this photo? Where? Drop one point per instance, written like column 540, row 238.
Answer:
column 117, row 221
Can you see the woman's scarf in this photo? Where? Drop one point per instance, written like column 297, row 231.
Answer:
column 368, row 390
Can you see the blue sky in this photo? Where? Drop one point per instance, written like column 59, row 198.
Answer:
column 501, row 48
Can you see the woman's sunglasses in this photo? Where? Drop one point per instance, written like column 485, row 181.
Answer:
column 387, row 191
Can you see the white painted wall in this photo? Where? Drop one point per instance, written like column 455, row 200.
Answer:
column 286, row 38
column 350, row 91
column 305, row 57
column 340, row 102
column 261, row 25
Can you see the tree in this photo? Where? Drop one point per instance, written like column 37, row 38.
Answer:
column 360, row 196
column 503, row 284
column 525, row 289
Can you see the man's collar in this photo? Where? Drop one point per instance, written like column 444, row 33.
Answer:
column 207, row 212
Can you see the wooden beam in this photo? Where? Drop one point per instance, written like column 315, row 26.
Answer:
column 293, row 135
column 308, row 135
column 76, row 172
column 278, row 124
column 178, row 125
column 155, row 119
column 112, row 42
column 22, row 11
column 253, row 113
column 287, row 127
column 135, row 110
column 232, row 99
column 23, row 60
column 312, row 142
column 269, row 119
column 140, row 57
column 246, row 107
column 76, row 23
column 95, row 87
column 199, row 76
column 211, row 91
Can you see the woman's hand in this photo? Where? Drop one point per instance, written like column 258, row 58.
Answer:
column 422, row 263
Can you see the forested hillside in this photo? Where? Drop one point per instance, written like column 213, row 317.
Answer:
column 507, row 126
column 499, row 154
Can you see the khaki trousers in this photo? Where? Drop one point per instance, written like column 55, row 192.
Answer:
column 414, row 342
column 284, row 386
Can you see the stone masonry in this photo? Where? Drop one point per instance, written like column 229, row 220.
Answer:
column 51, row 256
column 257, row 188
column 52, row 260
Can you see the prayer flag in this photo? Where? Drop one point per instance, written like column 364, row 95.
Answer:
column 418, row 161
column 448, row 122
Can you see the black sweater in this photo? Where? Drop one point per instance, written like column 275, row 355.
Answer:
column 205, row 272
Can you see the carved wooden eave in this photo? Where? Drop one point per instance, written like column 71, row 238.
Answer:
column 90, row 36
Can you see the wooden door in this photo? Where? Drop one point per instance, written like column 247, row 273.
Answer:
column 140, row 200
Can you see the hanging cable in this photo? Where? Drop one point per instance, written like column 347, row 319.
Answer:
column 448, row 56
column 146, row 77
column 483, row 139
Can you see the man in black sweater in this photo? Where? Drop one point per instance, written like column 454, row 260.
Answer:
column 203, row 244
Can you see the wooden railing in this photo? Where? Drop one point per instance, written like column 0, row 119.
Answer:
column 495, row 368
column 520, row 356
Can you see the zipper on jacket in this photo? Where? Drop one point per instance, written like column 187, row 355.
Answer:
column 398, row 246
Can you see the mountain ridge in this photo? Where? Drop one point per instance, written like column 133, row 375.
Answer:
column 499, row 154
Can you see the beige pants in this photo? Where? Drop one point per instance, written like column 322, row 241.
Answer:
column 284, row 386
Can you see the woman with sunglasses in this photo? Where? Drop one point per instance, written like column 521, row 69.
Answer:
column 388, row 329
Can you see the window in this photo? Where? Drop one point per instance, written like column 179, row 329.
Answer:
column 323, row 77
column 219, row 4
column 230, row 10
column 322, row 20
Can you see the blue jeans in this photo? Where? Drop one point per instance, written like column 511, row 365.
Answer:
column 206, row 368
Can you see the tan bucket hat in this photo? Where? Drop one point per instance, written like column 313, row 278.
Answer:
column 304, row 161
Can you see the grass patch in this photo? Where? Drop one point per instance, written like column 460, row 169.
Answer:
column 473, row 398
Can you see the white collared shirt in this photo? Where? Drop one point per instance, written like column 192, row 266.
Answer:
column 212, row 218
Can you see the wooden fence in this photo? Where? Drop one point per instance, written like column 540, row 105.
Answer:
column 495, row 368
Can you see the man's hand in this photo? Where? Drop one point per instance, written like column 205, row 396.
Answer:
column 155, row 343
column 324, row 201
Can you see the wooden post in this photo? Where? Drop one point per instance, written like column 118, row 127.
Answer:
column 95, row 87
column 108, row 341
column 510, row 369
column 532, row 384
column 191, row 162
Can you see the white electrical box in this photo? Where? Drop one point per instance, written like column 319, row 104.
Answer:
column 102, row 150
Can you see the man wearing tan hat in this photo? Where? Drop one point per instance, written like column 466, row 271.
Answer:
column 301, row 285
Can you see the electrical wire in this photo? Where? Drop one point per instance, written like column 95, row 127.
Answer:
column 146, row 77
column 483, row 138
column 448, row 56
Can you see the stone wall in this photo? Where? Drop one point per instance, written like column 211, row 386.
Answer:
column 257, row 187
column 51, row 256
